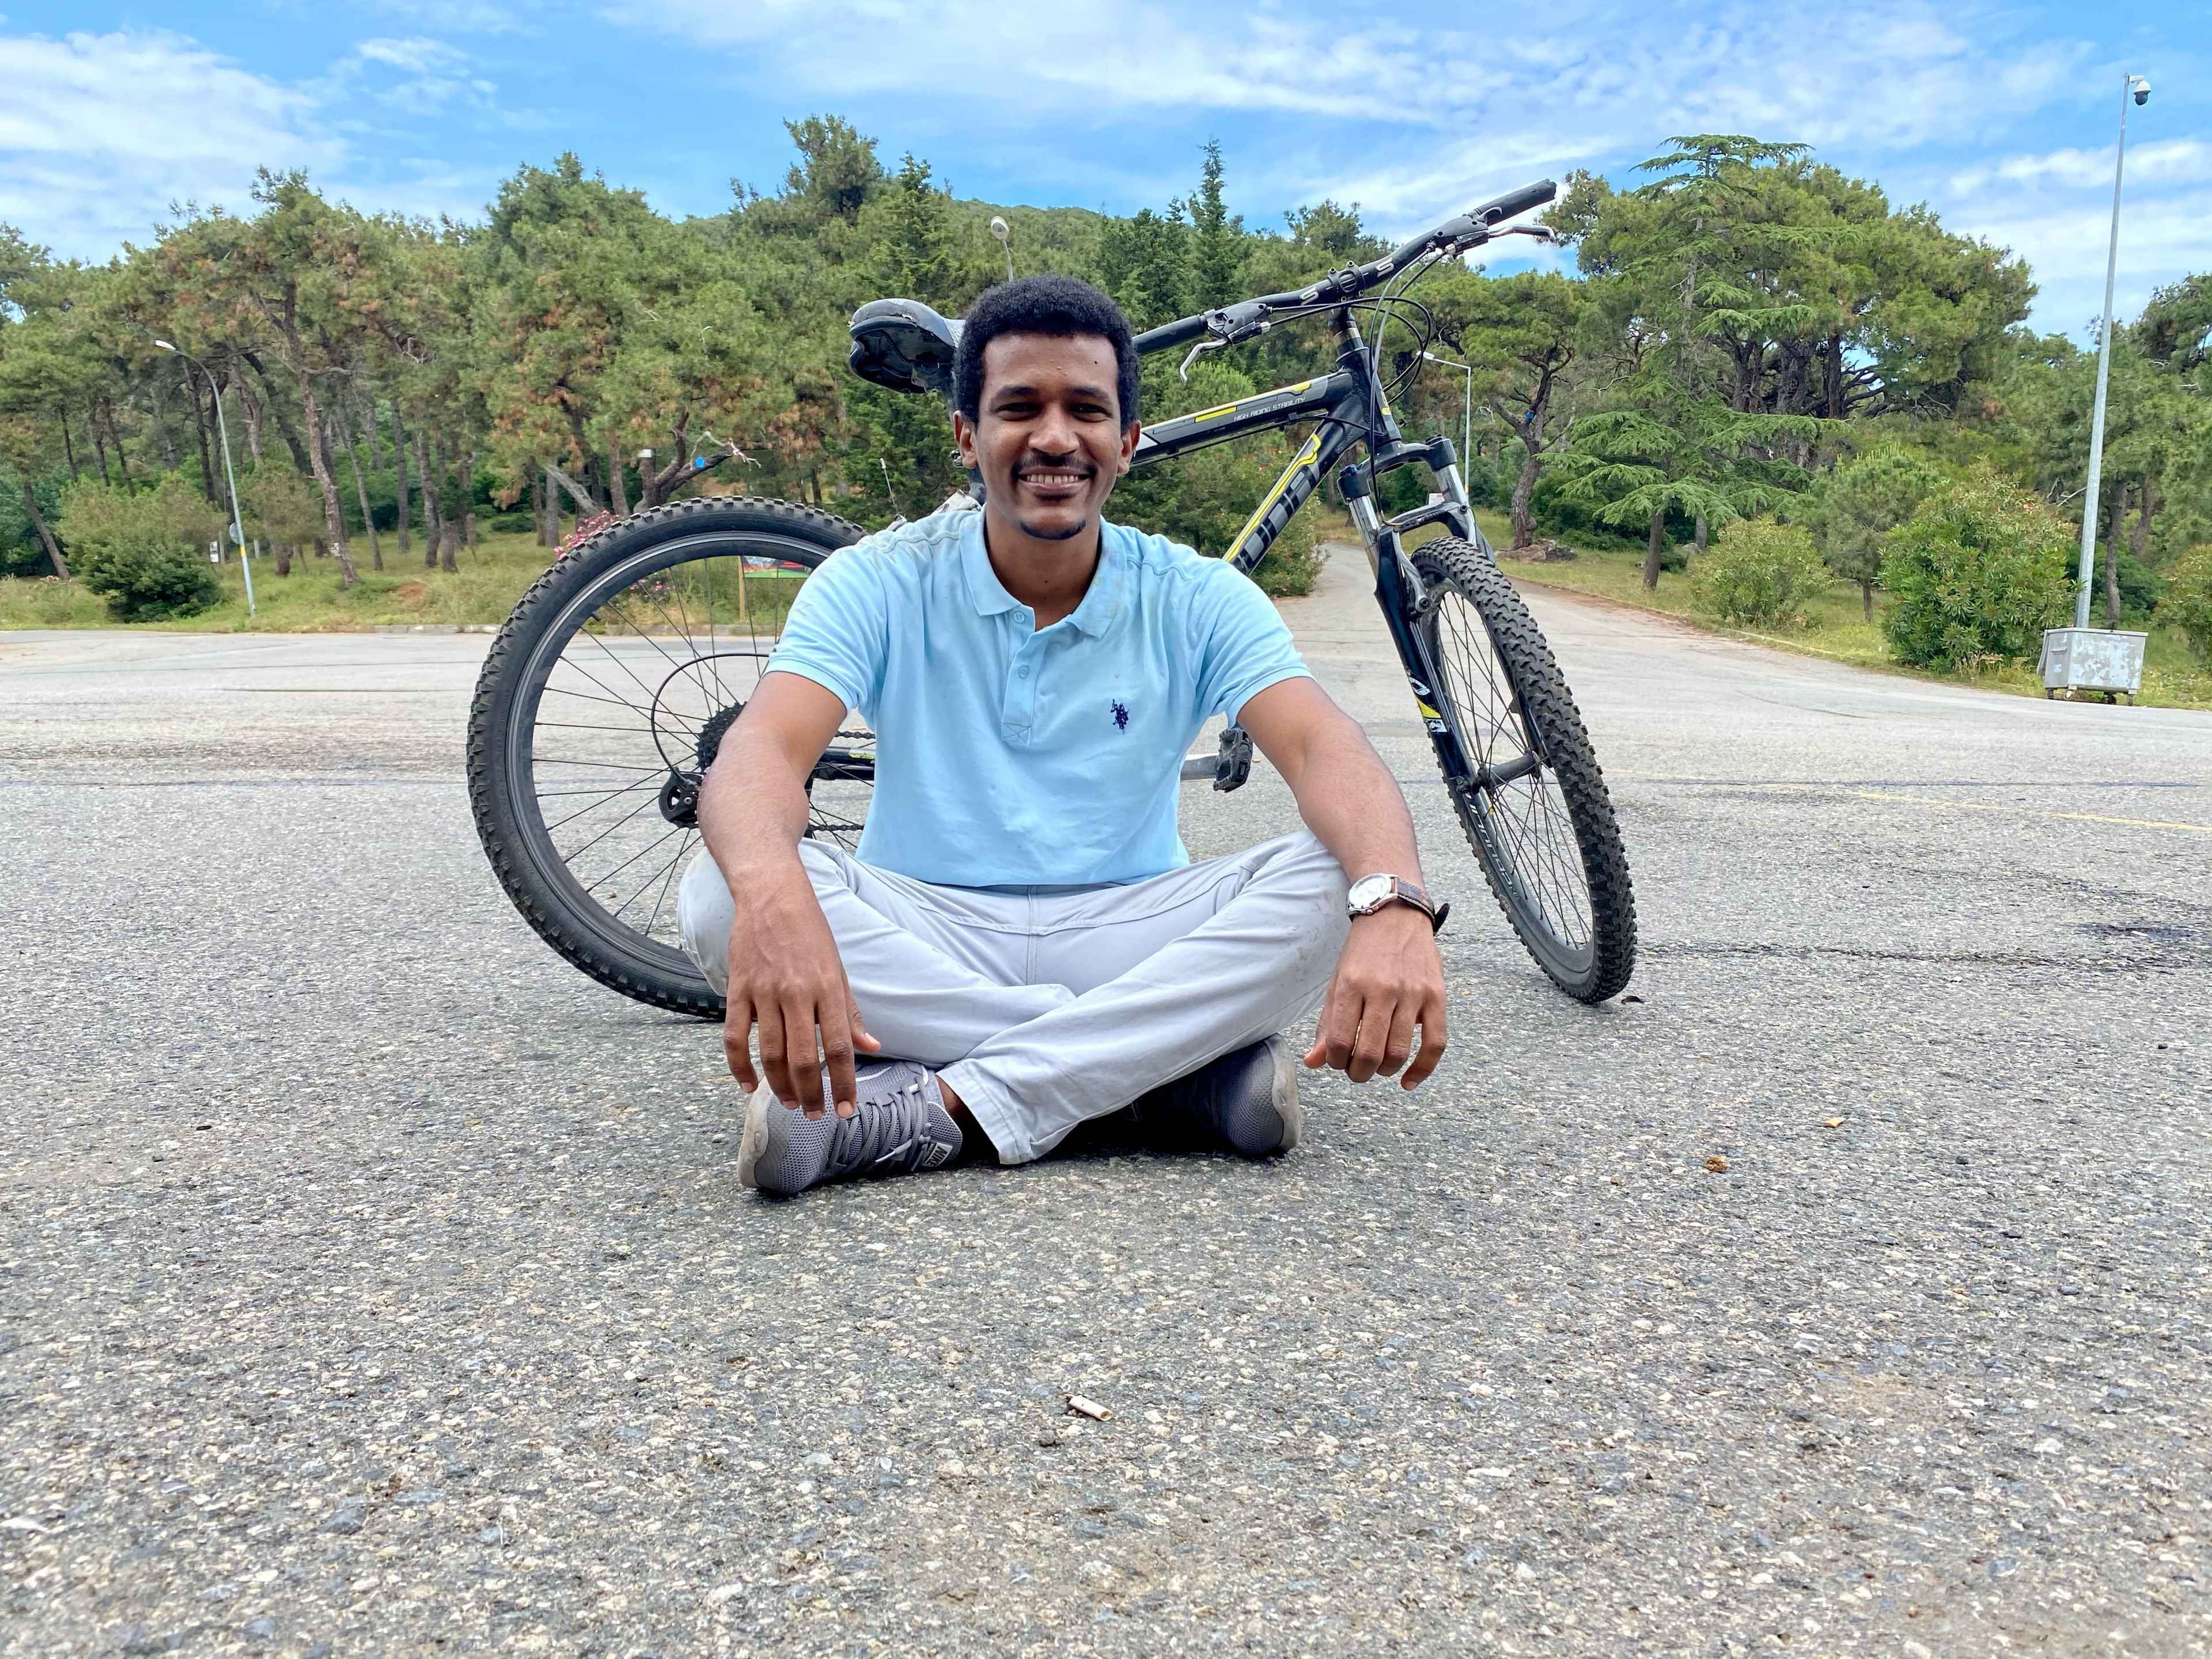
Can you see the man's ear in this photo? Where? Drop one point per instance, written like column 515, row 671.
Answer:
column 1129, row 434
column 964, row 439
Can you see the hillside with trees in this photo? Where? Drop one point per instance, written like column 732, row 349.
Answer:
column 1747, row 334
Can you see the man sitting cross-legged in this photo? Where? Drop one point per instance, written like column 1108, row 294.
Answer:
column 1022, row 940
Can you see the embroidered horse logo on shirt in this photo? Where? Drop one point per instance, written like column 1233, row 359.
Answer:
column 1121, row 716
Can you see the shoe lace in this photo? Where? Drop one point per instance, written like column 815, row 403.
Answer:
column 881, row 1120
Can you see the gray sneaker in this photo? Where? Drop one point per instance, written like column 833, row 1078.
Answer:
column 899, row 1124
column 1246, row 1099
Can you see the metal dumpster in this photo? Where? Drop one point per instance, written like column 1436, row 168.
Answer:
column 2105, row 660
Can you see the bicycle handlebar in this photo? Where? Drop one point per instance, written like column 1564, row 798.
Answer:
column 1171, row 334
column 1466, row 230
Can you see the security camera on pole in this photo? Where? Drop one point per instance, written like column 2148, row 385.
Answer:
column 2079, row 658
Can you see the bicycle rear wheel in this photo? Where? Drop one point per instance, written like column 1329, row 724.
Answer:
column 1535, row 808
column 602, row 702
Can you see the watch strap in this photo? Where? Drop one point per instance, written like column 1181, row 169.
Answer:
column 1406, row 892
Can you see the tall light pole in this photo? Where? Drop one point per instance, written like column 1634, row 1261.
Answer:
column 223, row 426
column 2137, row 88
column 998, row 230
column 1466, row 421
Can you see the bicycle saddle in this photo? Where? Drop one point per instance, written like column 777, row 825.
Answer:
column 904, row 345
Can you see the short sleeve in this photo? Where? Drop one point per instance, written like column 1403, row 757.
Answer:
column 1244, row 645
column 838, row 632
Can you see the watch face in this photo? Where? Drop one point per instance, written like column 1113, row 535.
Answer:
column 1369, row 891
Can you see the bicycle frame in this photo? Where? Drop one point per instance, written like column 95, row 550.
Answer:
column 1347, row 408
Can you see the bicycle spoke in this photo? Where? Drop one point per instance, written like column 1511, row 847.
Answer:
column 565, row 691
column 664, row 875
column 570, row 858
column 651, row 783
column 1529, row 825
column 661, row 663
column 634, row 857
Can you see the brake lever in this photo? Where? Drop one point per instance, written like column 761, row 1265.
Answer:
column 1196, row 351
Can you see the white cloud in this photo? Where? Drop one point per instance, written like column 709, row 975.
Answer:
column 2063, row 238
column 1131, row 54
column 459, row 16
column 2081, row 169
column 124, row 123
column 1887, row 77
column 416, row 75
column 417, row 55
column 128, row 124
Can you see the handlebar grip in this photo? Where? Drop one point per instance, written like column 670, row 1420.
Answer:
column 1516, row 201
column 1178, row 332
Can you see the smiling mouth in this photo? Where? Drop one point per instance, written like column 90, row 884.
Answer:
column 1053, row 478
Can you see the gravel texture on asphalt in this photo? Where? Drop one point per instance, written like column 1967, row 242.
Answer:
column 371, row 1282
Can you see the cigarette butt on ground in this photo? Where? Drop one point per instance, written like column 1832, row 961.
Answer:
column 1089, row 1408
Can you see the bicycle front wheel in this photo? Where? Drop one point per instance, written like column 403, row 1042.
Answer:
column 602, row 702
column 1534, row 805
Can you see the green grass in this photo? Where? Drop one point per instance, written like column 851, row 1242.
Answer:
column 504, row 564
column 1837, row 629
column 491, row 578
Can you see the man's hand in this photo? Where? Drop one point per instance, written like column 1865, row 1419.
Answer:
column 786, row 977
column 1389, row 980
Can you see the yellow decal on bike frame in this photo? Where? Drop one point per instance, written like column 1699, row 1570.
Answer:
column 1216, row 413
column 1305, row 458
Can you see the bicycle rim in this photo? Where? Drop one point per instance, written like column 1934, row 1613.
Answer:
column 1515, row 809
column 623, row 705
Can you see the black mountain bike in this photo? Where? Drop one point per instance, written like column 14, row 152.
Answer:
column 609, row 690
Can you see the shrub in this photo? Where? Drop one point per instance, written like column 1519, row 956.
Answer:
column 1760, row 572
column 2188, row 600
column 144, row 552
column 1979, row 571
column 147, row 575
column 1853, row 509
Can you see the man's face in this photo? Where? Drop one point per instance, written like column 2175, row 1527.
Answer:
column 1048, row 437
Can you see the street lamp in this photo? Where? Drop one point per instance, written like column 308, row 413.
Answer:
column 1006, row 246
column 223, row 426
column 1467, row 422
column 2136, row 88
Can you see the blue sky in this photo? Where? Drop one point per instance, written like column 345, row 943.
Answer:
column 2001, row 117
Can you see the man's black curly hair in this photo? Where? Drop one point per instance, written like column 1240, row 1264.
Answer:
column 1060, row 307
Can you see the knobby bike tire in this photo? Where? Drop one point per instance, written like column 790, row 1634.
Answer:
column 1540, row 709
column 502, row 718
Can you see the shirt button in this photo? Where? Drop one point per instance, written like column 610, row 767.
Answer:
column 1022, row 674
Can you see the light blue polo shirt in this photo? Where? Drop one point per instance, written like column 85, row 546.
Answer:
column 1009, row 755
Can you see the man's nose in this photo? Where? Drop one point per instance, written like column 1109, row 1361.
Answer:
column 1054, row 433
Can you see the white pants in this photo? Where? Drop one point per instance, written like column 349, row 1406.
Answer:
column 1045, row 1006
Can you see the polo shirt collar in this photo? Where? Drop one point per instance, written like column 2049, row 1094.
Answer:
column 1100, row 603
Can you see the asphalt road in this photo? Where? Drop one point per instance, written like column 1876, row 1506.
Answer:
column 371, row 1282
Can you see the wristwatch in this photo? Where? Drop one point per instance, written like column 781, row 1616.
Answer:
column 1371, row 893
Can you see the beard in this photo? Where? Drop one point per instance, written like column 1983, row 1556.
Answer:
column 1043, row 535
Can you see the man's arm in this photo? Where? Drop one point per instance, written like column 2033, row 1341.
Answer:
column 1390, row 978
column 786, row 975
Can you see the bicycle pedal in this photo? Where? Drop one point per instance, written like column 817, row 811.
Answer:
column 1232, row 767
